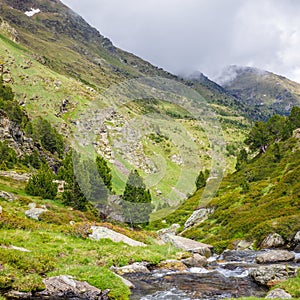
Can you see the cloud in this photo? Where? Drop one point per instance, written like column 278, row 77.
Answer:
column 184, row 36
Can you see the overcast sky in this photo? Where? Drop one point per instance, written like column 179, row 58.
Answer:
column 183, row 36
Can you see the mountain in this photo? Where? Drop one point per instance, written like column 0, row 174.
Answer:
column 58, row 66
column 269, row 93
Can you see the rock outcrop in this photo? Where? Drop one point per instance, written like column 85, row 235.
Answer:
column 196, row 260
column 198, row 216
column 278, row 294
column 188, row 244
column 273, row 240
column 8, row 196
column 99, row 232
column 34, row 212
column 63, row 287
column 273, row 274
column 274, row 256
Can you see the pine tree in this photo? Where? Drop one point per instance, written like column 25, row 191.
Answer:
column 242, row 159
column 136, row 201
column 201, row 179
column 72, row 194
column 104, row 171
column 42, row 183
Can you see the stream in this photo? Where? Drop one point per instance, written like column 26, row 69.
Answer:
column 225, row 276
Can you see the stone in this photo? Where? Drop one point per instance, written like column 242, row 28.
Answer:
column 99, row 232
column 297, row 237
column 198, row 216
column 273, row 240
column 8, row 196
column 34, row 212
column 278, row 294
column 133, row 268
column 297, row 249
column 63, row 287
column 128, row 283
column 275, row 256
column 172, row 265
column 196, row 260
column 171, row 230
column 273, row 274
column 188, row 244
column 243, row 245
column 1, row 209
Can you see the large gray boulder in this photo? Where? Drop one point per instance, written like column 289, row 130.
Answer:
column 196, row 260
column 198, row 216
column 34, row 212
column 170, row 230
column 273, row 240
column 278, row 294
column 63, row 287
column 272, row 274
column 187, row 244
column 275, row 256
column 99, row 232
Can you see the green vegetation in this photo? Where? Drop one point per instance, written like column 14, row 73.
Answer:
column 42, row 183
column 136, row 201
column 8, row 156
column 201, row 179
column 104, row 171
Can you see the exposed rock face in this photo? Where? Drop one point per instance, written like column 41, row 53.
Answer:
column 278, row 294
column 15, row 176
column 63, row 287
column 99, row 232
column 188, row 244
column 198, row 216
column 196, row 260
column 275, row 256
column 172, row 265
column 133, row 268
column 273, row 240
column 34, row 212
column 171, row 230
column 271, row 275
column 8, row 196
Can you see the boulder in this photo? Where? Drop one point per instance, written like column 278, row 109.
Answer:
column 243, row 245
column 297, row 249
column 274, row 256
column 171, row 230
column 172, row 265
column 126, row 281
column 273, row 274
column 196, row 260
column 297, row 238
column 188, row 244
column 273, row 240
column 63, row 287
column 34, row 212
column 8, row 196
column 278, row 294
column 99, row 232
column 198, row 216
column 133, row 268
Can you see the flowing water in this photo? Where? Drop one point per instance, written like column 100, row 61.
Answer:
column 225, row 276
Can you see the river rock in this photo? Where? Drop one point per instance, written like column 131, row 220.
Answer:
column 34, row 212
column 273, row 274
column 196, row 260
column 188, row 244
column 8, row 196
column 273, row 240
column 243, row 245
column 138, row 267
column 170, row 230
column 198, row 216
column 172, row 265
column 99, row 232
column 297, row 238
column 275, row 256
column 278, row 294
column 297, row 249
column 126, row 281
column 63, row 287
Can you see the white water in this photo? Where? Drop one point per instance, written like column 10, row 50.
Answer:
column 173, row 294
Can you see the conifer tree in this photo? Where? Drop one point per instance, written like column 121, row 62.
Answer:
column 136, row 201
column 42, row 183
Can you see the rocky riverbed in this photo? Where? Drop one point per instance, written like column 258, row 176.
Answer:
column 229, row 275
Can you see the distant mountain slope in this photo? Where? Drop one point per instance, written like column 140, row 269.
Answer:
column 268, row 92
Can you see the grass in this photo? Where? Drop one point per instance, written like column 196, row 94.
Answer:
column 58, row 248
